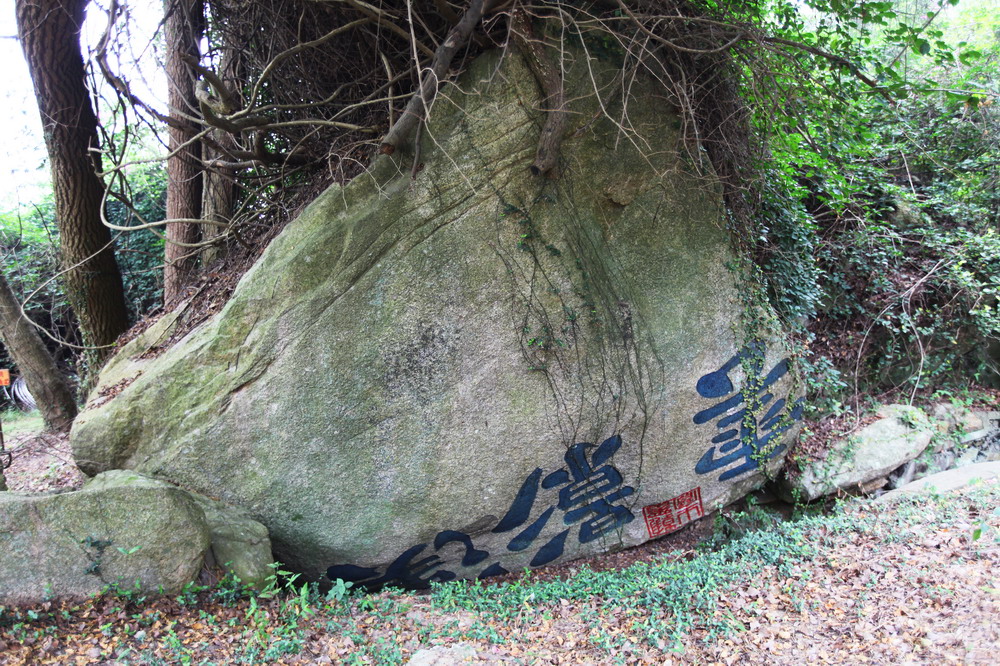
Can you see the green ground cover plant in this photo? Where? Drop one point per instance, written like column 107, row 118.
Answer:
column 679, row 604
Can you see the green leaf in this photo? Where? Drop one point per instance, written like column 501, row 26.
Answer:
column 967, row 57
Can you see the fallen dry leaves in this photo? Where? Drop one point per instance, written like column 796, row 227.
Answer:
column 904, row 590
column 42, row 462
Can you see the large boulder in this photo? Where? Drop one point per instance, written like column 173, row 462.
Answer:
column 474, row 370
column 117, row 532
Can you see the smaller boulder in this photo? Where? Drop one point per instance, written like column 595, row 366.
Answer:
column 239, row 544
column 900, row 435
column 123, row 529
column 949, row 418
column 969, row 456
column 75, row 544
column 990, row 420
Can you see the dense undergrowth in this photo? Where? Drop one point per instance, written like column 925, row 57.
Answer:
column 29, row 258
column 882, row 216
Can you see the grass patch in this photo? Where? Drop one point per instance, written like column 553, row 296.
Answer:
column 664, row 599
column 16, row 422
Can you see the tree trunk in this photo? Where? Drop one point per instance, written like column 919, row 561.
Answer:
column 49, row 31
column 47, row 385
column 184, row 25
column 218, row 197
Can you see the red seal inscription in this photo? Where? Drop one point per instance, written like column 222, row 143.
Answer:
column 669, row 516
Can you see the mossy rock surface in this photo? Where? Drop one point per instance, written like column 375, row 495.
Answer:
column 238, row 544
column 125, row 530
column 475, row 370
column 901, row 433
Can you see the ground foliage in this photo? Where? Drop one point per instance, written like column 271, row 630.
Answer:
column 870, row 583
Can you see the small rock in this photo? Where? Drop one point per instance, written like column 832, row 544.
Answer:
column 871, row 486
column 967, row 457
column 992, row 449
column 976, row 436
column 444, row 656
column 943, row 460
column 949, row 417
column 989, row 419
column 904, row 474
column 900, row 435
column 952, row 479
column 240, row 544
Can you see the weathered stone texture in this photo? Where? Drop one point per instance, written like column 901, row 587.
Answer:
column 476, row 370
column 900, row 434
column 75, row 544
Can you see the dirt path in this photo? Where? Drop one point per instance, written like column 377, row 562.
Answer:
column 41, row 462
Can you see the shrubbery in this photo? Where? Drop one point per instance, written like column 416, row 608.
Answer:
column 29, row 257
column 881, row 216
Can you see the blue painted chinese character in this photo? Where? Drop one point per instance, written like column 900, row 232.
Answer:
column 746, row 440
column 589, row 490
column 408, row 571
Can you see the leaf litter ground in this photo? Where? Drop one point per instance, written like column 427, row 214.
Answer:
column 906, row 582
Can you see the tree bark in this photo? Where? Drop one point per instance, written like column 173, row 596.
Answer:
column 416, row 109
column 549, row 77
column 47, row 385
column 217, row 202
column 219, row 180
column 183, row 28
column 49, row 31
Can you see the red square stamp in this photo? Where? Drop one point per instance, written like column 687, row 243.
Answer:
column 673, row 514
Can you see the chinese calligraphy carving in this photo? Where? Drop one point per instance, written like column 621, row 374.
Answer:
column 745, row 440
column 587, row 492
